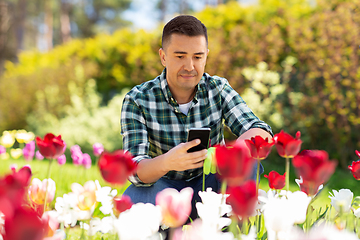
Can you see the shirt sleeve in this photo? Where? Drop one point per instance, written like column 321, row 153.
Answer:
column 134, row 135
column 238, row 116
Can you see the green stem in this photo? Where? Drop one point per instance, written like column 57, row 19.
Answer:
column 47, row 184
column 223, row 187
column 287, row 170
column 308, row 211
column 257, row 176
column 258, row 227
column 203, row 183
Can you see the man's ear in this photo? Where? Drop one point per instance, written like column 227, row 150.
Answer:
column 162, row 56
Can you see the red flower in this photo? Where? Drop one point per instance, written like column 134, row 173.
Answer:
column 314, row 167
column 12, row 190
column 25, row 224
column 234, row 163
column 259, row 147
column 276, row 181
column 122, row 204
column 243, row 199
column 286, row 145
column 355, row 169
column 51, row 147
column 117, row 166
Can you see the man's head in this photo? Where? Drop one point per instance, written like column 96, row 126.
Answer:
column 183, row 25
column 184, row 53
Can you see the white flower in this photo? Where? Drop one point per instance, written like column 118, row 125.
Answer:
column 278, row 217
column 65, row 207
column 357, row 213
column 212, row 208
column 103, row 225
column 140, row 222
column 262, row 198
column 299, row 203
column 197, row 231
column 105, row 195
column 324, row 232
column 341, row 200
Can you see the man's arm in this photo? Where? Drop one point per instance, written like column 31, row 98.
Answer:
column 252, row 132
column 177, row 159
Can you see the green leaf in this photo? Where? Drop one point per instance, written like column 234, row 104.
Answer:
column 356, row 202
column 209, row 162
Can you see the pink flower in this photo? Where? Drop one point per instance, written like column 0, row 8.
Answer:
column 98, row 148
column 37, row 190
column 85, row 194
column 2, row 149
column 175, row 206
column 39, row 156
column 76, row 155
column 86, row 161
column 51, row 224
column 61, row 159
column 51, row 146
column 29, row 151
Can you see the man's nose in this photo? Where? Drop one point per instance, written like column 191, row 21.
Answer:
column 189, row 65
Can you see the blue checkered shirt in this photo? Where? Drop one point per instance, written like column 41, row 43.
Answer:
column 152, row 123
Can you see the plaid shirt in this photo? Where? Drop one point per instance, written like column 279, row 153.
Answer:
column 152, row 123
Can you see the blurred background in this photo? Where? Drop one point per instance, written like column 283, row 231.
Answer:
column 65, row 65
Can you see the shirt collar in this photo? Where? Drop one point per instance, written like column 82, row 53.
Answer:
column 167, row 93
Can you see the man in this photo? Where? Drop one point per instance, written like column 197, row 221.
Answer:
column 157, row 114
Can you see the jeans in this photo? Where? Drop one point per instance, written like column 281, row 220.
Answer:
column 148, row 194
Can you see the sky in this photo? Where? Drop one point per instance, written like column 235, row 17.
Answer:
column 143, row 14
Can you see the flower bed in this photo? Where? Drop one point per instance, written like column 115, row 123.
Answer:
column 240, row 211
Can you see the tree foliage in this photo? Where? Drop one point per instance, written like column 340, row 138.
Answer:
column 313, row 51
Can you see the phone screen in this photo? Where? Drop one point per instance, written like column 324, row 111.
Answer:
column 199, row 133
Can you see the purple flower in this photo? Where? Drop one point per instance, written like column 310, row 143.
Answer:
column 86, row 160
column 61, row 159
column 2, row 149
column 76, row 155
column 29, row 151
column 98, row 149
column 38, row 155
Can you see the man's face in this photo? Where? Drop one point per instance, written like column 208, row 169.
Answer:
column 184, row 58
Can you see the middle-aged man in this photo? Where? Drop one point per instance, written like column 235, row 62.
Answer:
column 156, row 115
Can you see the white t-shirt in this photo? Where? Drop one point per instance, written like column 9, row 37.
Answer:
column 184, row 108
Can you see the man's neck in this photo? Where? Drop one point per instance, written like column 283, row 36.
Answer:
column 184, row 96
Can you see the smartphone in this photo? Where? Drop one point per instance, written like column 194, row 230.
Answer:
column 199, row 133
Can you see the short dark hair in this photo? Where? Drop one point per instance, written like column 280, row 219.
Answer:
column 184, row 25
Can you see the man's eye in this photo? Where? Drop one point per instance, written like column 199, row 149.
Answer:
column 198, row 57
column 180, row 57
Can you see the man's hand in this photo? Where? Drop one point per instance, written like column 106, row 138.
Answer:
column 179, row 159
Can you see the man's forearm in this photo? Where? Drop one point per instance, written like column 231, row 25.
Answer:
column 254, row 132
column 150, row 170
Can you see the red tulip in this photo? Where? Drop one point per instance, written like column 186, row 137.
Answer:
column 259, row 147
column 12, row 190
column 357, row 153
column 243, row 199
column 355, row 169
column 314, row 167
column 117, row 166
column 122, row 204
column 286, row 145
column 51, row 147
column 234, row 163
column 276, row 181
column 25, row 224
